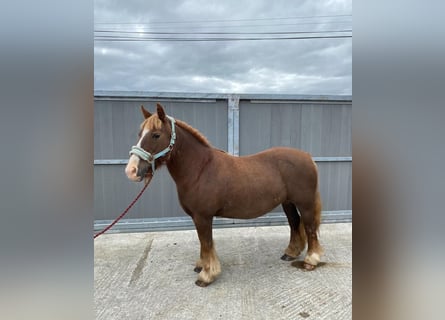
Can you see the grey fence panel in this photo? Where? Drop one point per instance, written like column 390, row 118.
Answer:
column 321, row 129
column 335, row 181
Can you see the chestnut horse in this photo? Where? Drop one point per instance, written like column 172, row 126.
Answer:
column 212, row 183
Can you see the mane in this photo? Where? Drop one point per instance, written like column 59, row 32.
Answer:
column 194, row 132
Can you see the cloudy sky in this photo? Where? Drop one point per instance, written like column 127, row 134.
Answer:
column 137, row 46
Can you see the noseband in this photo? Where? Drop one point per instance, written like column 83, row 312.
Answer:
column 147, row 156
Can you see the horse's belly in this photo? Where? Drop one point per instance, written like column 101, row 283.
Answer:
column 245, row 214
column 253, row 196
column 245, row 209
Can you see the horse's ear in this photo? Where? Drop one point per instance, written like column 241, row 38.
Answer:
column 145, row 112
column 161, row 112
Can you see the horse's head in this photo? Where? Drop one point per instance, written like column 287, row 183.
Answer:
column 156, row 139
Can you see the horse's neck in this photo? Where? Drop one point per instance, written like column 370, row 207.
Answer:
column 188, row 157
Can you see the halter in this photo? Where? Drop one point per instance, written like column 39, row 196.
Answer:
column 147, row 156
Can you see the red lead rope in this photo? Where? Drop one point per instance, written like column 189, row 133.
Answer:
column 123, row 213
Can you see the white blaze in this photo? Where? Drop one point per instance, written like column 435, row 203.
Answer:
column 133, row 162
column 142, row 137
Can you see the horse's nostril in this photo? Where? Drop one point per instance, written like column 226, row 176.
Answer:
column 142, row 171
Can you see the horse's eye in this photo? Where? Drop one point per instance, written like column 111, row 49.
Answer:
column 155, row 135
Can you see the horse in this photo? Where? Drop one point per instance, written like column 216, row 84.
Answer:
column 212, row 183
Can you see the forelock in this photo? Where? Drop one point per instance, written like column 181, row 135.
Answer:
column 152, row 123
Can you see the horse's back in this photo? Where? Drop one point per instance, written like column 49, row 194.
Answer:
column 295, row 166
column 283, row 159
column 279, row 159
column 282, row 153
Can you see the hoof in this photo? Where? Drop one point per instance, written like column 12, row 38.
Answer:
column 201, row 284
column 286, row 257
column 308, row 266
column 197, row 269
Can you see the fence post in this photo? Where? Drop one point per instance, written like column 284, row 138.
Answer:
column 233, row 125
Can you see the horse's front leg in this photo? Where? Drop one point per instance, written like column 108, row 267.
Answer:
column 208, row 265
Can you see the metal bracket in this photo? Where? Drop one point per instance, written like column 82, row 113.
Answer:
column 233, row 125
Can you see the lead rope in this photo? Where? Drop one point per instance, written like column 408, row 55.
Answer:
column 123, row 213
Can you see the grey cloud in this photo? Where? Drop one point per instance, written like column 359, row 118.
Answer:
column 321, row 66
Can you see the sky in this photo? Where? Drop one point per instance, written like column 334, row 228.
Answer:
column 289, row 66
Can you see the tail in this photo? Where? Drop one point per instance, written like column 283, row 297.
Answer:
column 317, row 217
column 317, row 210
column 318, row 204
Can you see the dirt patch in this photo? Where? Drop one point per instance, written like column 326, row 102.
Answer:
column 137, row 272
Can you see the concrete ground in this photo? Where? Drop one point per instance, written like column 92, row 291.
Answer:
column 150, row 276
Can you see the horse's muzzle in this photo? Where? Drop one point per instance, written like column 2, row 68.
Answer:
column 138, row 170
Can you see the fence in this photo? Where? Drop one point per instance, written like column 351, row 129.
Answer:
column 241, row 124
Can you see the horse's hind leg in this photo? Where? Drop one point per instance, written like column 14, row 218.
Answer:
column 297, row 240
column 311, row 215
